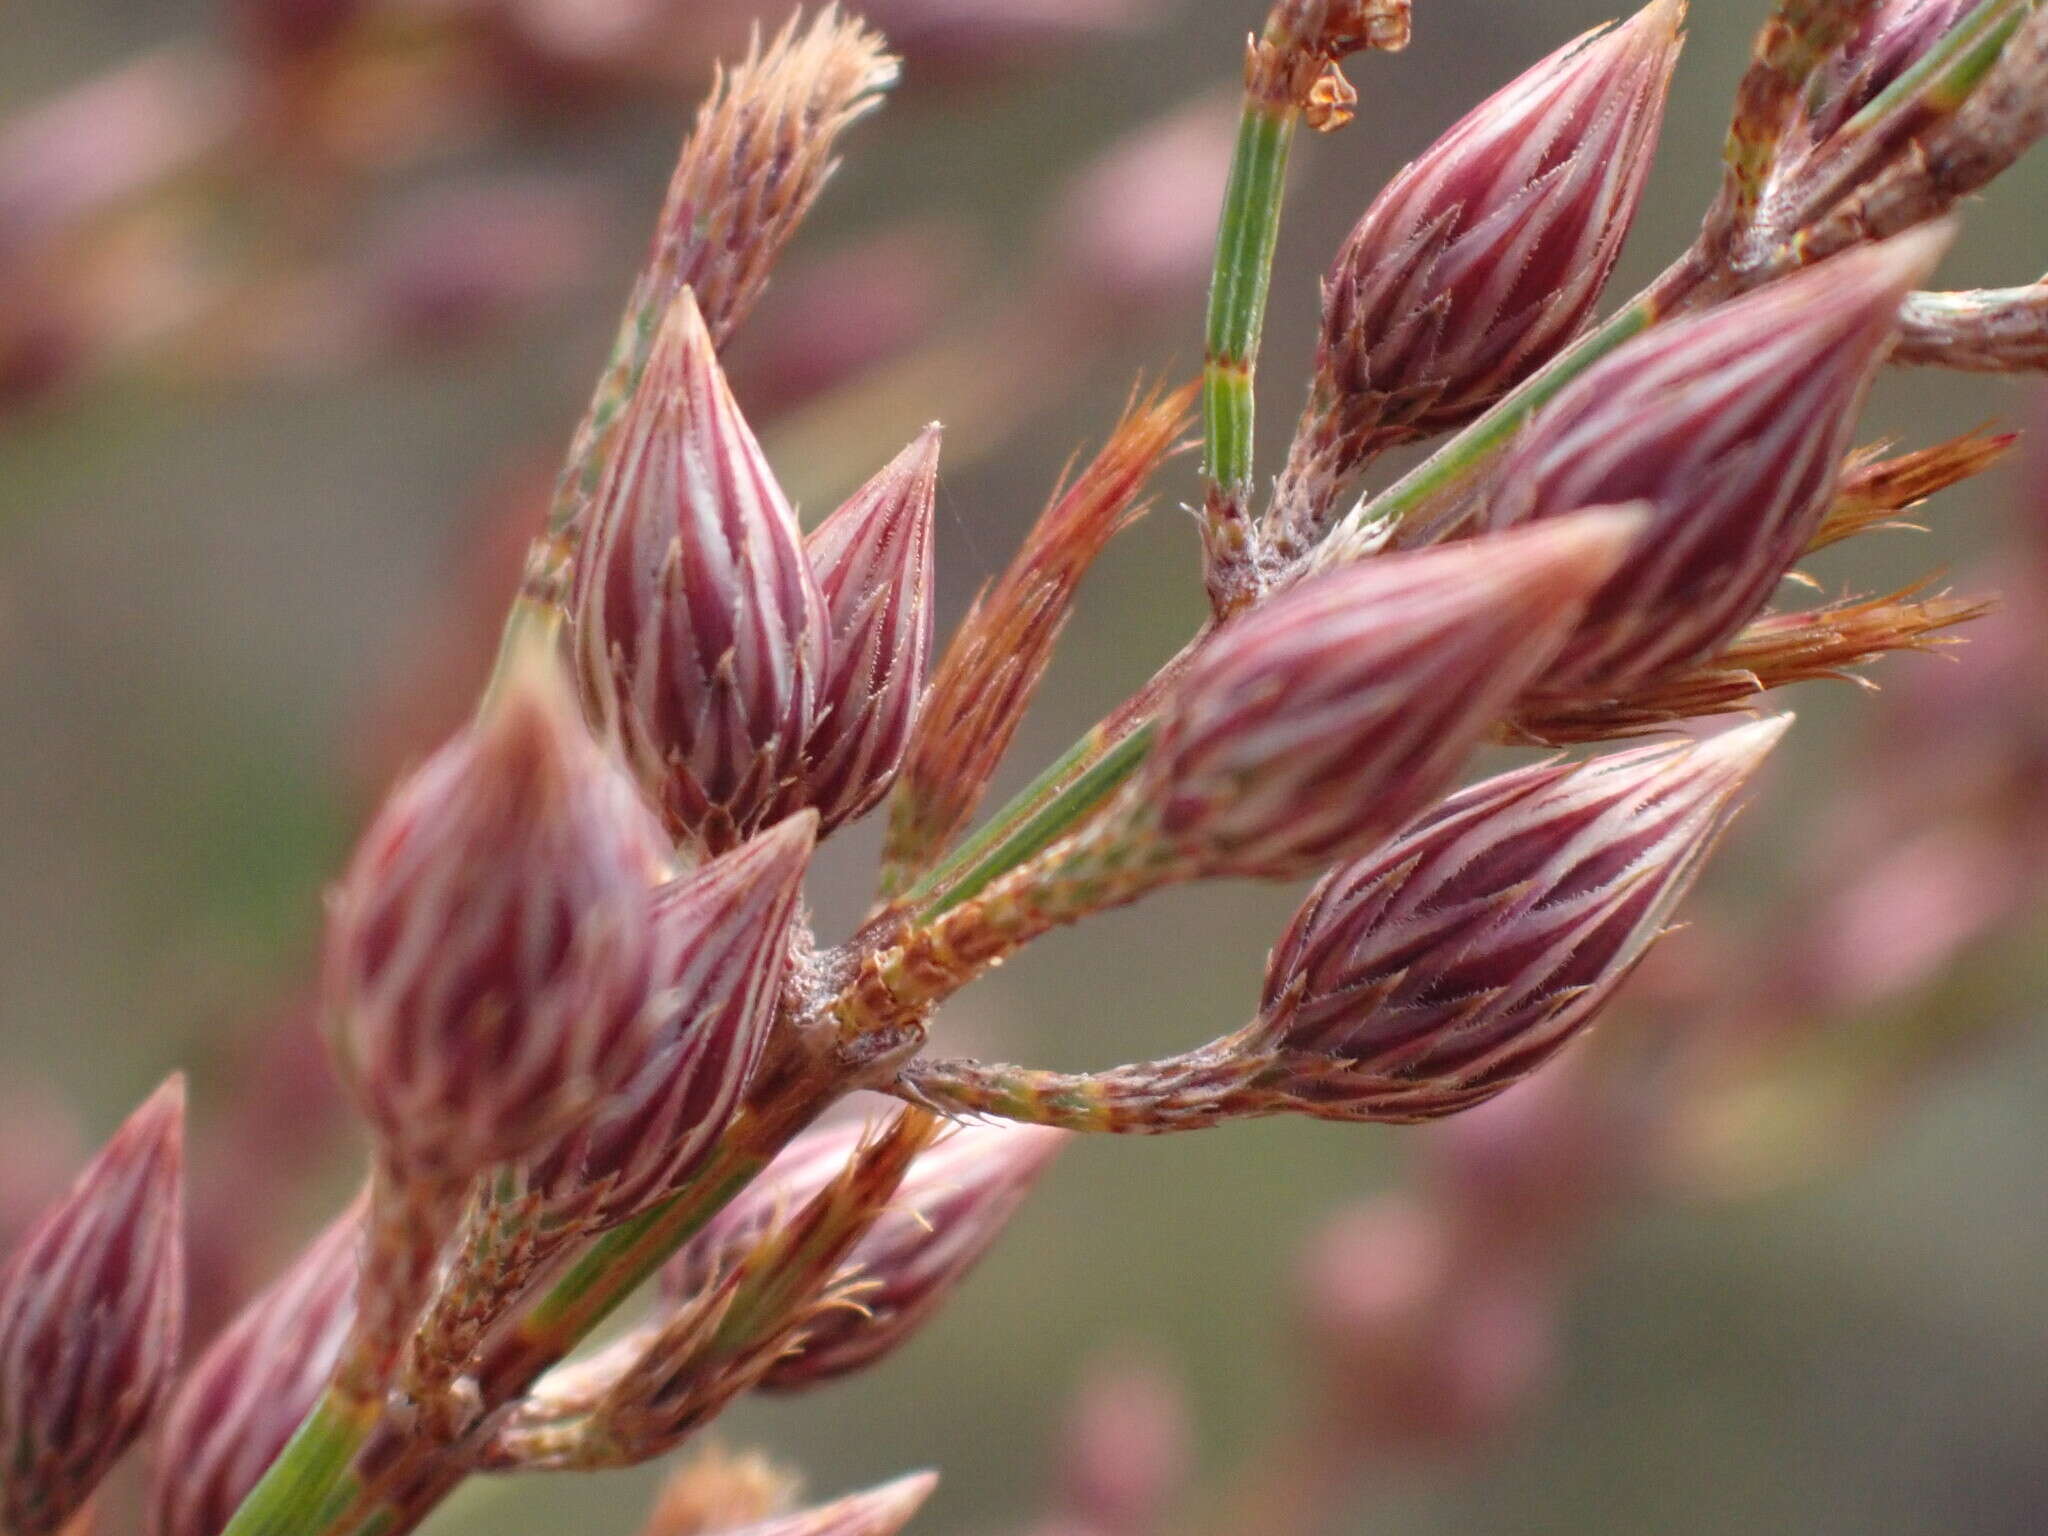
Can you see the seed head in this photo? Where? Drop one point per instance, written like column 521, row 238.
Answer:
column 1335, row 711
column 1483, row 258
column 238, row 1406
column 722, row 936
column 1731, row 426
column 948, row 1213
column 762, row 149
column 92, row 1303
column 1465, row 952
column 488, row 973
column 699, row 631
column 873, row 562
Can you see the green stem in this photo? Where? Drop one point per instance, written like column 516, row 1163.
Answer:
column 1015, row 811
column 1089, row 788
column 1949, row 70
column 1246, row 239
column 1036, row 796
column 307, row 1484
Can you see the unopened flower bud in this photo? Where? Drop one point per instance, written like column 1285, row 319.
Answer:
column 1483, row 258
column 700, row 633
column 1464, row 953
column 1731, row 427
column 947, row 1214
column 242, row 1401
column 488, row 972
column 882, row 1511
column 721, row 938
column 92, row 1303
column 1323, row 719
column 873, row 562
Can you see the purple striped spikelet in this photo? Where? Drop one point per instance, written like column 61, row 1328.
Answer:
column 873, row 563
column 488, row 972
column 1336, row 710
column 947, row 1214
column 1488, row 253
column 722, row 937
column 241, row 1402
column 699, row 630
column 92, row 1303
column 1465, row 952
column 1731, row 427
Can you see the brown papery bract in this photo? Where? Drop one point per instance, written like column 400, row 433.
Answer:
column 992, row 668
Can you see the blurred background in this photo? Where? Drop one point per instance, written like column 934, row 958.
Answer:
column 298, row 302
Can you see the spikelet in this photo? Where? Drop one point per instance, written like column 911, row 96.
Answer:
column 873, row 562
column 722, row 939
column 764, row 145
column 242, row 1400
column 1480, row 261
column 1731, row 426
column 1433, row 973
column 1337, row 710
column 698, row 628
column 649, row 1392
column 1468, row 950
column 1772, row 652
column 1874, row 490
column 882, row 1511
column 488, row 971
column 92, row 1304
column 949, row 1211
